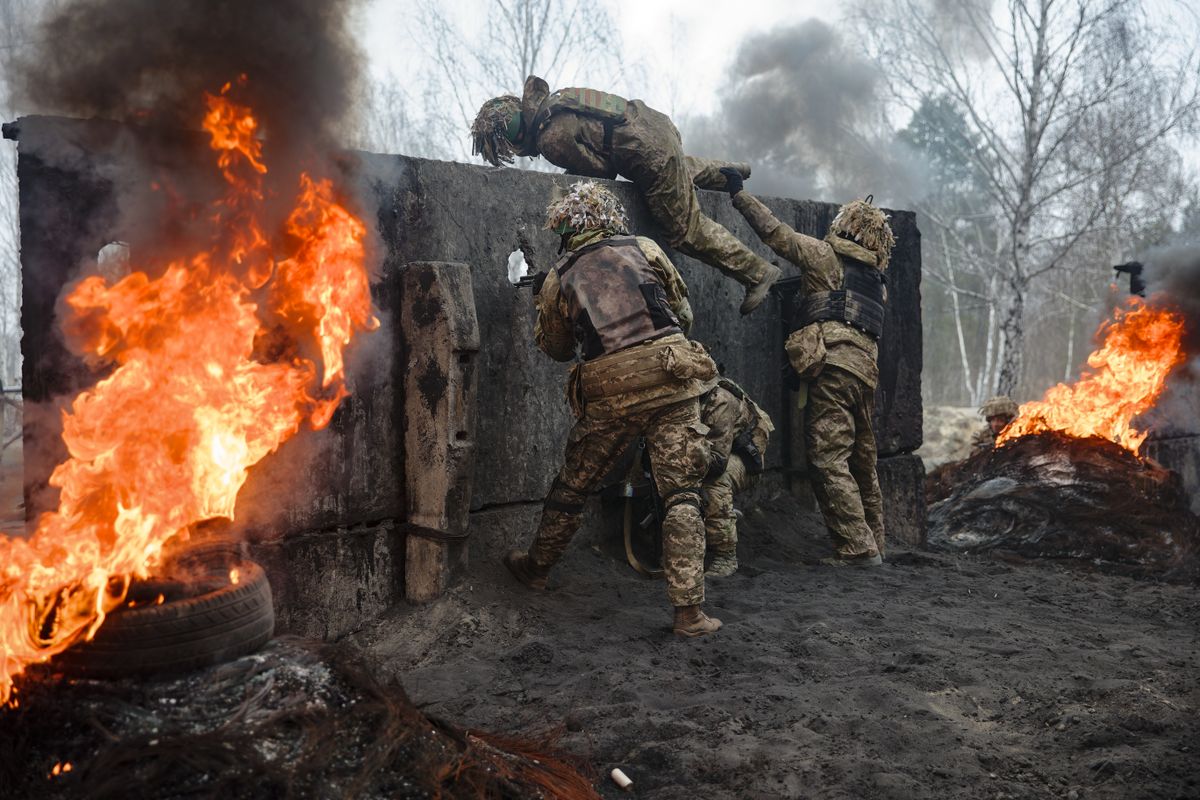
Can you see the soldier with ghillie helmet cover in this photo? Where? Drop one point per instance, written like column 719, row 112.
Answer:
column 619, row 302
column 835, row 350
column 998, row 412
column 602, row 135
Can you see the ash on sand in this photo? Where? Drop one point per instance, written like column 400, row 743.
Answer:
column 940, row 675
column 1051, row 496
column 294, row 720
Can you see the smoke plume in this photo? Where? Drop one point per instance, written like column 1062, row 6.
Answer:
column 1173, row 277
column 801, row 103
column 1173, row 271
column 152, row 61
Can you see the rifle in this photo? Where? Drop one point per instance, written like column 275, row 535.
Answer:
column 1134, row 270
column 533, row 281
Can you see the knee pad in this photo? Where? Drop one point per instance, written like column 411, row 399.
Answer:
column 565, row 498
column 687, row 495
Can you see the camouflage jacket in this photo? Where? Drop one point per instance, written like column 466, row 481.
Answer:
column 821, row 271
column 983, row 440
column 571, row 140
column 728, row 412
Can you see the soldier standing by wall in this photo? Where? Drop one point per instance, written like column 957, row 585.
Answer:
column 620, row 300
column 601, row 135
column 737, row 440
column 998, row 412
column 835, row 349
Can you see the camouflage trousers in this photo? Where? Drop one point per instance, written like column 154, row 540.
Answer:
column 675, row 439
column 720, row 525
column 648, row 150
column 841, row 452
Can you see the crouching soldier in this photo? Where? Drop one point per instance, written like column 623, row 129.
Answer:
column 601, row 135
column 621, row 302
column 737, row 439
column 835, row 349
column 998, row 412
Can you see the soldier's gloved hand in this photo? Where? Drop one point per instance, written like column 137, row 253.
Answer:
column 733, row 180
column 538, row 280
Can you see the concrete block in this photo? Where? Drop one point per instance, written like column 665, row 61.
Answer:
column 902, row 482
column 326, row 584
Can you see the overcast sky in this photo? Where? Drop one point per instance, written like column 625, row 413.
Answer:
column 686, row 44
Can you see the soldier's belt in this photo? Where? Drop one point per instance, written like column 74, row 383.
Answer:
column 630, row 370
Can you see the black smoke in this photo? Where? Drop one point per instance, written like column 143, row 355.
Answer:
column 1172, row 273
column 800, row 104
column 1173, row 278
column 151, row 61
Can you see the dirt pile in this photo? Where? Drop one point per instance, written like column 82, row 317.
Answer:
column 1055, row 496
column 948, row 432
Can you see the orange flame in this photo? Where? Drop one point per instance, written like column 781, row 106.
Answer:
column 1126, row 375
column 167, row 439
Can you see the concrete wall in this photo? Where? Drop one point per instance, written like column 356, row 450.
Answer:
column 338, row 495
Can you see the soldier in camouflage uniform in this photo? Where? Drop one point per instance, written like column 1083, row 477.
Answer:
column 737, row 441
column 999, row 412
column 601, row 135
column 620, row 300
column 835, row 349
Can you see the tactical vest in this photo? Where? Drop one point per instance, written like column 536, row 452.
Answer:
column 614, row 297
column 859, row 303
column 606, row 107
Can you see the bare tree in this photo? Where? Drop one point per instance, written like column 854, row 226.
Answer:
column 560, row 40
column 1072, row 106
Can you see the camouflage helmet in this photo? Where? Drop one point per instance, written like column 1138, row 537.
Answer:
column 1000, row 406
column 864, row 223
column 491, row 134
column 587, row 206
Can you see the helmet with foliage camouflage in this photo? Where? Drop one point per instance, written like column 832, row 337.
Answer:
column 496, row 128
column 1000, row 406
column 864, row 223
column 587, row 206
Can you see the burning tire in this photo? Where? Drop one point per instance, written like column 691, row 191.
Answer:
column 223, row 621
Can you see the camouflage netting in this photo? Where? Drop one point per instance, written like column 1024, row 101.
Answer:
column 489, row 131
column 1051, row 496
column 867, row 225
column 587, row 206
column 294, row 720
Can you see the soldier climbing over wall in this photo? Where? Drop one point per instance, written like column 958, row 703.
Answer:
column 835, row 351
column 737, row 440
column 601, row 135
column 619, row 300
column 998, row 412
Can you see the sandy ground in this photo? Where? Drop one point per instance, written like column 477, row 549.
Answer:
column 947, row 434
column 936, row 676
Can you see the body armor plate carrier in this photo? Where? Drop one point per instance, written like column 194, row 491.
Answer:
column 614, row 297
column 858, row 304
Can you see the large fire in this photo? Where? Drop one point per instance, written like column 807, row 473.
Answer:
column 1125, row 376
column 166, row 440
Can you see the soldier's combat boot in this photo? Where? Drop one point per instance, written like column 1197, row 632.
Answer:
column 758, row 292
column 523, row 569
column 690, row 621
column 864, row 560
column 723, row 565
